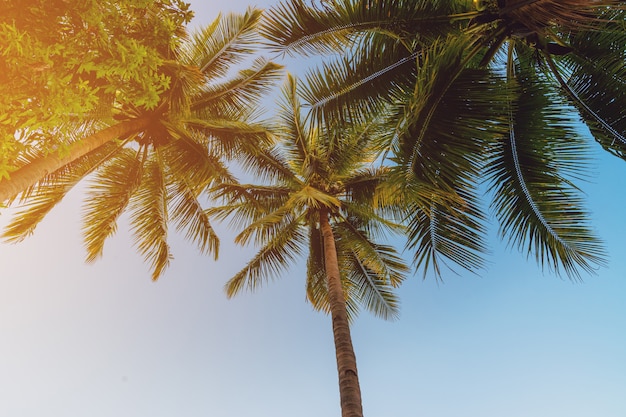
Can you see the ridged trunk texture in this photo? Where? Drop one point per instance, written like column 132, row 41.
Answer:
column 349, row 389
column 28, row 175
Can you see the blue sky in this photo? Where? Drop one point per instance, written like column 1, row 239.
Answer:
column 103, row 340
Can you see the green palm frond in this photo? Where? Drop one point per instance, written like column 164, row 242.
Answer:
column 593, row 76
column 228, row 137
column 382, row 260
column 359, row 84
column 273, row 258
column 538, row 207
column 368, row 288
column 441, row 233
column 269, row 165
column 148, row 210
column 108, row 196
column 292, row 211
column 370, row 273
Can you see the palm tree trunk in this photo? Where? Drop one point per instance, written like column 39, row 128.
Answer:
column 28, row 175
column 349, row 389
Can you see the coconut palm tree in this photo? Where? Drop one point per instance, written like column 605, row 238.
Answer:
column 482, row 94
column 316, row 197
column 157, row 163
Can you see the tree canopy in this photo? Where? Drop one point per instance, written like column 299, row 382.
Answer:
column 61, row 66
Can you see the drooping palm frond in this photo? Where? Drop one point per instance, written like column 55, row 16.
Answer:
column 359, row 83
column 276, row 255
column 593, row 77
column 370, row 273
column 148, row 215
column 108, row 196
column 538, row 208
column 44, row 196
column 189, row 216
column 246, row 204
column 367, row 287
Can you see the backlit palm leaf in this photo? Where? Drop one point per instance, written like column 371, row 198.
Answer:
column 108, row 196
column 148, row 215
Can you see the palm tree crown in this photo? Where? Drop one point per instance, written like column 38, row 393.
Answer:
column 318, row 196
column 158, row 162
column 315, row 171
column 480, row 95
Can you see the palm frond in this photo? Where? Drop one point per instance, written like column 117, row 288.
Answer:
column 593, row 77
column 228, row 137
column 240, row 92
column 293, row 131
column 223, row 43
column 108, row 196
column 45, row 195
column 188, row 214
column 298, row 26
column 359, row 84
column 441, row 233
column 538, row 208
column 274, row 257
column 191, row 157
column 148, row 208
column 246, row 204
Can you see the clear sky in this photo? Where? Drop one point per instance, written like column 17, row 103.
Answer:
column 103, row 340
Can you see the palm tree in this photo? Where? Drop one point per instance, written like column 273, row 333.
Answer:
column 159, row 162
column 318, row 195
column 482, row 94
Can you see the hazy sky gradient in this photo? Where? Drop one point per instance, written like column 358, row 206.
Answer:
column 102, row 340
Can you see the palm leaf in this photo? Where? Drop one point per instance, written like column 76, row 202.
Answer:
column 273, row 258
column 239, row 92
column 108, row 196
column 224, row 43
column 537, row 206
column 188, row 214
column 148, row 208
column 43, row 197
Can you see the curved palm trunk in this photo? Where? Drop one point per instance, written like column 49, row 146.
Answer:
column 28, row 175
column 349, row 389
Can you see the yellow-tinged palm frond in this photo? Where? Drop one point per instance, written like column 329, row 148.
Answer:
column 291, row 127
column 189, row 216
column 226, row 42
column 43, row 197
column 108, row 196
column 247, row 204
column 148, row 215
